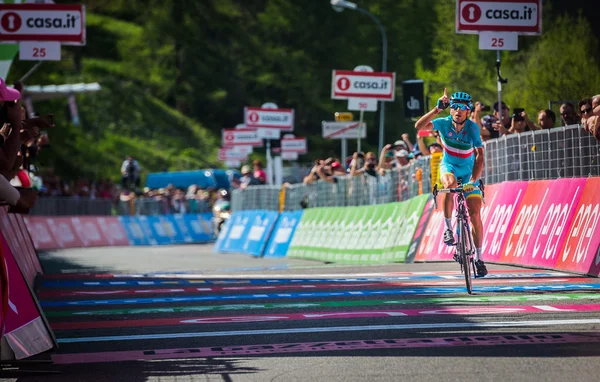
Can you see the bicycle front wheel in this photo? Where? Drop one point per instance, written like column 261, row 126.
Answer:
column 465, row 259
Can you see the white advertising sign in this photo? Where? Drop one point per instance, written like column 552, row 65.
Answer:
column 366, row 104
column 289, row 155
column 282, row 119
column 520, row 16
column 233, row 163
column 350, row 84
column 498, row 41
column 297, row 145
column 342, row 130
column 241, row 137
column 268, row 133
column 39, row 51
column 229, row 154
column 242, row 149
column 64, row 23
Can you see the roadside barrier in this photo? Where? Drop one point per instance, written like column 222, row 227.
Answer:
column 550, row 224
column 247, row 232
column 97, row 231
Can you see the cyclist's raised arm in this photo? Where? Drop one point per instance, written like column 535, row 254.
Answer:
column 424, row 123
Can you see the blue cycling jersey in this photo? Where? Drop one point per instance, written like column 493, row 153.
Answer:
column 459, row 148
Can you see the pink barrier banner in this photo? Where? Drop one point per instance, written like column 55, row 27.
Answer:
column 499, row 217
column 75, row 232
column 542, row 222
column 27, row 257
column 113, row 230
column 432, row 247
column 23, row 326
column 581, row 251
column 40, row 233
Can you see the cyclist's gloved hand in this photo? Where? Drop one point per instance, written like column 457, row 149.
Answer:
column 469, row 187
column 444, row 101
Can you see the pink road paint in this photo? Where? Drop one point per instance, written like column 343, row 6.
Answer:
column 138, row 292
column 327, row 315
column 326, row 346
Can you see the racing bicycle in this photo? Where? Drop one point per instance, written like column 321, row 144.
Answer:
column 465, row 249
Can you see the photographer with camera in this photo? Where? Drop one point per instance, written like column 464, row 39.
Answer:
column 520, row 123
column 369, row 167
column 130, row 174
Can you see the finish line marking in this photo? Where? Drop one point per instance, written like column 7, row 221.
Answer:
column 316, row 304
column 449, row 276
column 302, row 347
column 192, row 275
column 133, row 292
column 413, row 291
column 330, row 329
column 429, row 311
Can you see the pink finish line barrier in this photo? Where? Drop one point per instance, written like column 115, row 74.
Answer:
column 544, row 223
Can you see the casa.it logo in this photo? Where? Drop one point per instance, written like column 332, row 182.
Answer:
column 471, row 13
column 343, row 83
column 253, row 117
column 11, row 22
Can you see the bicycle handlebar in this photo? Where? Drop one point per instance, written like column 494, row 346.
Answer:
column 456, row 190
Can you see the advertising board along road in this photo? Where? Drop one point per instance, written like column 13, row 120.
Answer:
column 351, row 84
column 241, row 137
column 282, row 119
column 343, row 130
column 520, row 16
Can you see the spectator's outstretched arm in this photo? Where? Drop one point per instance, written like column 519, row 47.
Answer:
column 532, row 126
column 384, row 151
column 353, row 170
column 8, row 153
column 406, row 139
column 323, row 176
column 308, row 179
column 421, row 142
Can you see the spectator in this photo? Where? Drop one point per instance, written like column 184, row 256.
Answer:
column 546, row 119
column 520, row 123
column 259, row 173
column 596, row 104
column 401, row 144
column 337, row 169
column 568, row 115
column 585, row 112
column 247, row 178
column 386, row 160
column 130, row 172
column 402, row 157
column 502, row 124
column 369, row 168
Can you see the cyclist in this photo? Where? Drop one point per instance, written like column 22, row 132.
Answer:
column 462, row 160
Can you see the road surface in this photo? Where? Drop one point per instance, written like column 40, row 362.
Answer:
column 185, row 314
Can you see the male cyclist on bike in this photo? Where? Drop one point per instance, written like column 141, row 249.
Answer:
column 462, row 160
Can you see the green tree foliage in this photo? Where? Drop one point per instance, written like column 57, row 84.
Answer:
column 174, row 73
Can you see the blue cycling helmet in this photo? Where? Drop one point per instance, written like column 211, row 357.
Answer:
column 462, row 97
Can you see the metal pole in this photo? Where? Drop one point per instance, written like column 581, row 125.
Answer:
column 362, row 113
column 269, row 164
column 500, row 111
column 344, row 151
column 30, row 72
column 383, row 69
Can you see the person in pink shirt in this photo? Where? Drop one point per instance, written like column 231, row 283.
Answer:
column 259, row 173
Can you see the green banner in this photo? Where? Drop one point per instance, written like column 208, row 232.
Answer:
column 358, row 235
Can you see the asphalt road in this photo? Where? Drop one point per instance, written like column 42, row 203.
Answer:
column 186, row 314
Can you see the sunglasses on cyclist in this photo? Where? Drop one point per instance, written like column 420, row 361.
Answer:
column 460, row 106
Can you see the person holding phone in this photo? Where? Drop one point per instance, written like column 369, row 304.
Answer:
column 462, row 160
column 520, row 122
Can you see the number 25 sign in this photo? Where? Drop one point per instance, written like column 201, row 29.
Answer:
column 39, row 51
column 498, row 41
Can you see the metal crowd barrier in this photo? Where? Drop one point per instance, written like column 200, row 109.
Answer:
column 544, row 154
column 65, row 206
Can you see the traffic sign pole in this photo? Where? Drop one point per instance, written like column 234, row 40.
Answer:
column 344, row 150
column 362, row 113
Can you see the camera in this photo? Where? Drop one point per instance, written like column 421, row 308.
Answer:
column 517, row 114
column 485, row 107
